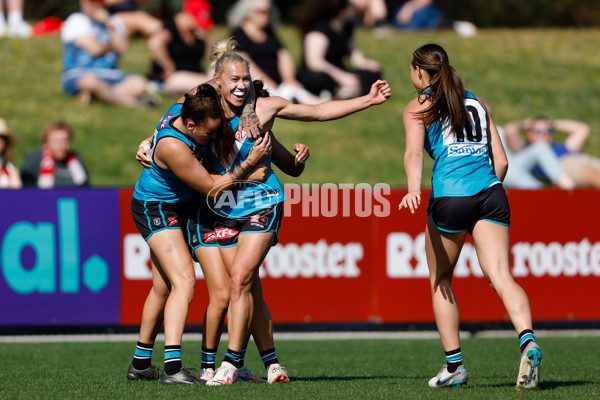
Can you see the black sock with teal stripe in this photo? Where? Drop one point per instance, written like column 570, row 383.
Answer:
column 526, row 337
column 235, row 358
column 208, row 358
column 142, row 358
column 269, row 357
column 453, row 360
column 172, row 359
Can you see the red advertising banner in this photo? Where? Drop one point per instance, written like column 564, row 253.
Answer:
column 346, row 254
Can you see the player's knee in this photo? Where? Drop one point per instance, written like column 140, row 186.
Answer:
column 162, row 292
column 184, row 284
column 240, row 283
column 220, row 299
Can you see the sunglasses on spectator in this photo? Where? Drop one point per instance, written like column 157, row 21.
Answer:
column 542, row 131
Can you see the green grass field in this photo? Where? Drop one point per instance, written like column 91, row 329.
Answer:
column 322, row 369
column 518, row 72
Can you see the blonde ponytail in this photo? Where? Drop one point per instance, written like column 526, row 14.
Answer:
column 225, row 50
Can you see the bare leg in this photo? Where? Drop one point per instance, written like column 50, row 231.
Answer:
column 217, row 283
column 181, row 82
column 442, row 250
column 261, row 327
column 588, row 176
column 153, row 313
column 174, row 262
column 125, row 93
column 491, row 242
column 251, row 251
column 140, row 23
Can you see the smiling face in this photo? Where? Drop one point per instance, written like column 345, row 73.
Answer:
column 234, row 83
column 204, row 131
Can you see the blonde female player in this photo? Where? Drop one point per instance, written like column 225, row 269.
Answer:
column 244, row 252
column 467, row 197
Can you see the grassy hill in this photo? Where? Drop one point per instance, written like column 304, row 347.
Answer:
column 518, row 72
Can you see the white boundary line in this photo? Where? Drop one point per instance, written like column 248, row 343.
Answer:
column 132, row 337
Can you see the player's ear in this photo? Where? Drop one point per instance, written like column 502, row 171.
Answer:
column 190, row 125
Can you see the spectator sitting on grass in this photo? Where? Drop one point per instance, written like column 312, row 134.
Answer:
column 582, row 168
column 92, row 45
column 180, row 47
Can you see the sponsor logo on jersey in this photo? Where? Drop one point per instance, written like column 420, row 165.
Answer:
column 455, row 150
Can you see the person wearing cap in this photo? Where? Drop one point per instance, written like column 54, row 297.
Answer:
column 9, row 174
column 55, row 164
column 92, row 45
column 180, row 48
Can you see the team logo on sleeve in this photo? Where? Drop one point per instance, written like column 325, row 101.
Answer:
column 240, row 135
column 163, row 122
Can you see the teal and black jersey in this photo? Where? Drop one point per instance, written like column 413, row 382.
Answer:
column 461, row 161
column 249, row 197
column 157, row 184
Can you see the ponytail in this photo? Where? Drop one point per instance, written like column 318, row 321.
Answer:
column 225, row 50
column 446, row 90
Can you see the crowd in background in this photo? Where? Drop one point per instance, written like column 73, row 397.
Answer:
column 331, row 66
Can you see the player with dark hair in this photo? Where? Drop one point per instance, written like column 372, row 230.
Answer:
column 467, row 197
column 159, row 209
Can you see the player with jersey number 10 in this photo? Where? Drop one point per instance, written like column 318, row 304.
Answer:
column 467, row 197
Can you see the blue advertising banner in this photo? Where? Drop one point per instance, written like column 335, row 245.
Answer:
column 59, row 257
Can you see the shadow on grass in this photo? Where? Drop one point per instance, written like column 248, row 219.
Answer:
column 547, row 385
column 352, row 378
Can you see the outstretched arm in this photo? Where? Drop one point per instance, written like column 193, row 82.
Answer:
column 330, row 110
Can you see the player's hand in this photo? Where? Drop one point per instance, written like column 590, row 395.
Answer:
column 260, row 150
column 258, row 174
column 250, row 123
column 302, row 153
column 143, row 154
column 380, row 92
column 412, row 201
